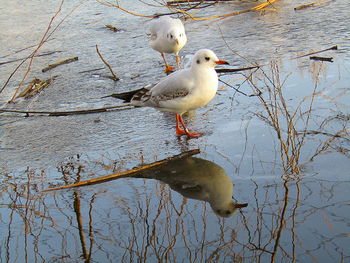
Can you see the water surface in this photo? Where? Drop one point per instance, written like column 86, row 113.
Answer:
column 160, row 216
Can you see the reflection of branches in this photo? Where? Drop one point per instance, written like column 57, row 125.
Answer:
column 153, row 223
column 292, row 125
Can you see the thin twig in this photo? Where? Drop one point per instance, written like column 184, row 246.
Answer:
column 108, row 66
column 237, row 90
column 19, row 59
column 229, row 70
column 128, row 173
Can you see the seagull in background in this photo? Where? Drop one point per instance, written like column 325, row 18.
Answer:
column 167, row 36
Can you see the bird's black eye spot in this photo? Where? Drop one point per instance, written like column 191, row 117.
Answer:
column 228, row 212
column 198, row 61
column 207, row 58
column 171, row 36
column 218, row 211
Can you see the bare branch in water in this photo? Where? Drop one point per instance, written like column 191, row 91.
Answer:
column 66, row 113
column 128, row 173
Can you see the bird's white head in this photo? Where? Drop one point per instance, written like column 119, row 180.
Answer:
column 177, row 36
column 205, row 58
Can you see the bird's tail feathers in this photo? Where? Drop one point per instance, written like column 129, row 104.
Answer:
column 125, row 96
column 129, row 95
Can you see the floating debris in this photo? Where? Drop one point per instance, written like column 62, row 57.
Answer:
column 329, row 59
column 113, row 28
column 66, row 61
column 34, row 87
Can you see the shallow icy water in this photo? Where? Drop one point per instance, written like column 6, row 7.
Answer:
column 301, row 219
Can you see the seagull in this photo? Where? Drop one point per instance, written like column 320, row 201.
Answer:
column 167, row 36
column 182, row 91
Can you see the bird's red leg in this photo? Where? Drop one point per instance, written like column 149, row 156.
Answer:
column 168, row 68
column 187, row 132
column 179, row 131
column 177, row 61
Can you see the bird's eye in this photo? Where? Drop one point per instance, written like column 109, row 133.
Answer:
column 207, row 58
column 171, row 36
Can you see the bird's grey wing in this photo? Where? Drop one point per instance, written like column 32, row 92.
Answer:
column 178, row 84
column 175, row 86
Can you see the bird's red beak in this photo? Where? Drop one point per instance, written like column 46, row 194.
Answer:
column 177, row 41
column 222, row 62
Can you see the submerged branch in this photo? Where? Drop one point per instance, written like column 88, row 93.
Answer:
column 128, row 173
column 66, row 113
column 317, row 52
column 328, row 59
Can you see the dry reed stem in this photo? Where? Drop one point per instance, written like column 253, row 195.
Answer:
column 35, row 87
column 128, row 173
column 308, row 5
column 56, row 64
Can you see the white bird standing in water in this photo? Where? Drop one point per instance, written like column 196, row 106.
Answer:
column 182, row 91
column 167, row 36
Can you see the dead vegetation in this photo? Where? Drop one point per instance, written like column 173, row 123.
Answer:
column 187, row 9
column 292, row 124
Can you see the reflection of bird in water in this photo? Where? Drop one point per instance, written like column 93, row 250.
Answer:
column 167, row 36
column 199, row 179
